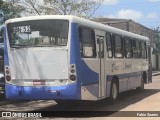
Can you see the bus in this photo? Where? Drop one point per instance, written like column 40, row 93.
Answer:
column 63, row 57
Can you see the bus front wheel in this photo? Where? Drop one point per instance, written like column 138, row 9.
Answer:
column 114, row 92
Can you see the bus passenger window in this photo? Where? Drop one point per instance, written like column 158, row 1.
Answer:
column 140, row 49
column 136, row 49
column 118, row 46
column 128, row 47
column 144, row 50
column 109, row 45
column 87, row 43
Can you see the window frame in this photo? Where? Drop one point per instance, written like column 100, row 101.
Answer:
column 81, row 41
column 114, row 46
column 137, row 49
column 145, row 49
column 125, row 47
column 31, row 23
column 111, row 44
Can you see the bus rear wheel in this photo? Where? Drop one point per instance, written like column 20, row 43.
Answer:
column 114, row 92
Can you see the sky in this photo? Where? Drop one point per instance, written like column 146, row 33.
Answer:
column 145, row 12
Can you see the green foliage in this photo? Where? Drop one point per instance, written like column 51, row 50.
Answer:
column 10, row 8
column 82, row 8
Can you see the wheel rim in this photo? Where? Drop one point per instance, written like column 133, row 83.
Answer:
column 114, row 91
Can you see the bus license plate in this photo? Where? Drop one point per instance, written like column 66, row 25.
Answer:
column 38, row 82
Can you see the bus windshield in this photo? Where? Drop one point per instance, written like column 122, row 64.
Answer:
column 38, row 33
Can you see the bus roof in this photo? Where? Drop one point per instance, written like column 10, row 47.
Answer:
column 81, row 21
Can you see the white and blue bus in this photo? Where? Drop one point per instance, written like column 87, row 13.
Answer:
column 59, row 57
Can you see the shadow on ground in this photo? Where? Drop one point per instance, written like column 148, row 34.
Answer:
column 100, row 108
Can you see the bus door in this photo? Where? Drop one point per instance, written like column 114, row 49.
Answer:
column 101, row 53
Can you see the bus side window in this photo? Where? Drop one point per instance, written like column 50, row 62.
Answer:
column 87, row 43
column 118, row 46
column 128, row 47
column 140, row 49
column 136, row 48
column 144, row 50
column 109, row 45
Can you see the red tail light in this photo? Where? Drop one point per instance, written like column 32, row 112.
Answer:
column 73, row 72
column 7, row 73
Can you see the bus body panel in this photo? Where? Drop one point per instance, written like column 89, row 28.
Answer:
column 38, row 63
column 85, row 74
column 5, row 48
column 127, row 81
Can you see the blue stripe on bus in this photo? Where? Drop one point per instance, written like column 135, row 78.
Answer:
column 84, row 74
column 125, row 75
column 5, row 49
column 70, row 91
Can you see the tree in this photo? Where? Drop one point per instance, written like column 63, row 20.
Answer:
column 82, row 8
column 11, row 8
column 32, row 7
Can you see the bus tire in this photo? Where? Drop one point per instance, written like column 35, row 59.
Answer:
column 141, row 88
column 114, row 92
